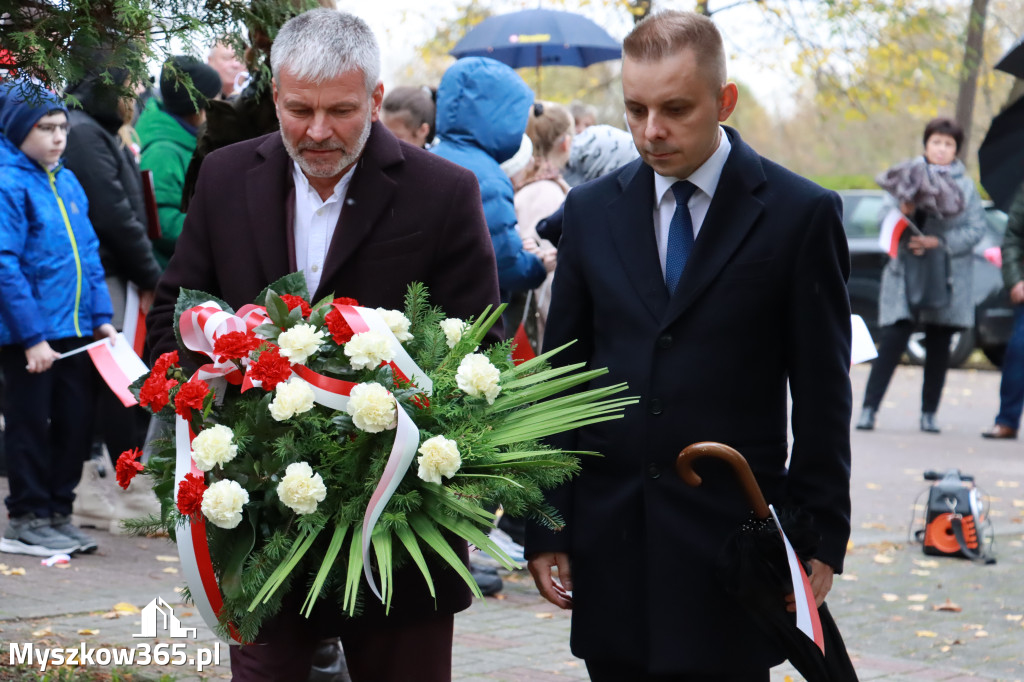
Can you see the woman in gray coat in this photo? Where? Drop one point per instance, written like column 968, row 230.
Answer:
column 957, row 234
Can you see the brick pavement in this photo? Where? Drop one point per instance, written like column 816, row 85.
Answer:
column 883, row 604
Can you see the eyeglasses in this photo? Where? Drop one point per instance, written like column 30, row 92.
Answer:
column 51, row 128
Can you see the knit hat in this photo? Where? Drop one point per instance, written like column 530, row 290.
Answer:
column 174, row 92
column 22, row 104
column 520, row 159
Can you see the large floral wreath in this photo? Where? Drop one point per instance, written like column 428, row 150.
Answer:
column 329, row 444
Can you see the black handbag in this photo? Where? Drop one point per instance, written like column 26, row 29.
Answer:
column 929, row 279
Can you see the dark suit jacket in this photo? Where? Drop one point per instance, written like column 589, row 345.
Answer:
column 762, row 300
column 409, row 216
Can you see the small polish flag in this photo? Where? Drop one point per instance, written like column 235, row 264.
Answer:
column 893, row 226
column 117, row 363
column 134, row 325
column 807, row 619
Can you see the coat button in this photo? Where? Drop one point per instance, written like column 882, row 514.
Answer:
column 655, row 406
column 653, row 471
column 665, row 341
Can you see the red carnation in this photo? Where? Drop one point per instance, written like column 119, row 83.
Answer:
column 190, row 397
column 343, row 300
column 164, row 363
column 235, row 345
column 190, row 495
column 155, row 392
column 127, row 467
column 297, row 302
column 338, row 327
column 270, row 369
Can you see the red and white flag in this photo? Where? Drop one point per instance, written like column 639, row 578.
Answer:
column 807, row 619
column 117, row 363
column 893, row 226
column 134, row 326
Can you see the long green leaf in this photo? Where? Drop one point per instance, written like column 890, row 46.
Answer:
column 503, row 478
column 537, row 377
column 541, row 391
column 301, row 545
column 473, row 535
column 532, row 364
column 408, row 539
column 381, row 541
column 325, row 568
column 432, row 536
column 355, row 571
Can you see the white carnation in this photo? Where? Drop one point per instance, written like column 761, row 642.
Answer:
column 213, row 446
column 299, row 342
column 367, row 350
column 223, row 502
column 301, row 489
column 453, row 329
column 439, row 456
column 291, row 398
column 478, row 377
column 372, row 408
column 398, row 323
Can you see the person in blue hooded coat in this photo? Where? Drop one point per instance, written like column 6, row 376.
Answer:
column 482, row 109
column 53, row 299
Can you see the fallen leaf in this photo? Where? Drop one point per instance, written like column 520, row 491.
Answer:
column 170, row 569
column 3, row 567
column 890, row 597
column 981, row 633
column 544, row 615
column 915, row 607
column 945, row 648
column 1019, row 504
column 110, row 615
column 926, row 633
column 168, row 559
column 125, row 607
column 974, row 626
column 185, row 614
column 849, row 545
column 917, row 597
column 918, row 571
column 849, row 576
column 947, row 606
column 87, row 631
column 42, row 633
column 15, row 571
column 787, row 678
column 1014, row 617
column 926, row 563
column 883, row 559
column 874, row 526
column 872, row 486
column 1007, row 484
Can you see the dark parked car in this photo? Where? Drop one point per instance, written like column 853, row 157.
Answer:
column 862, row 215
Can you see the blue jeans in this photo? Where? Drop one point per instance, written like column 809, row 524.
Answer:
column 1011, row 388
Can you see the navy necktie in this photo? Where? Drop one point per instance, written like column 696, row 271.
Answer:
column 680, row 235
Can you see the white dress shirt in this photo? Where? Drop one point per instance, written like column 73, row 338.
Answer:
column 705, row 178
column 315, row 221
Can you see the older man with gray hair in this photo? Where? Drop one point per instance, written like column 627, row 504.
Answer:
column 334, row 195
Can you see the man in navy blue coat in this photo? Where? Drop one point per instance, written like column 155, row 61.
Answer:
column 710, row 279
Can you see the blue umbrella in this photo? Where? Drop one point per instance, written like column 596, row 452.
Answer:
column 539, row 37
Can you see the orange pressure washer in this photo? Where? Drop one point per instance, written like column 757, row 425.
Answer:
column 956, row 518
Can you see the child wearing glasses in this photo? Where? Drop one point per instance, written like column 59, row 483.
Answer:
column 53, row 299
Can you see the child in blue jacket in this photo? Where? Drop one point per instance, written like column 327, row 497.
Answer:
column 53, row 299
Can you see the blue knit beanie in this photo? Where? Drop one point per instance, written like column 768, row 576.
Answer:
column 22, row 104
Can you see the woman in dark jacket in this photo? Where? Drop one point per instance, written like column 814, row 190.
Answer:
column 957, row 234
column 100, row 154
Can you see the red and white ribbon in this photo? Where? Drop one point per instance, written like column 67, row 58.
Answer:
column 193, row 545
column 200, row 327
column 807, row 619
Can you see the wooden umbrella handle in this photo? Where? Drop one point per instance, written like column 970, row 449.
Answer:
column 684, row 467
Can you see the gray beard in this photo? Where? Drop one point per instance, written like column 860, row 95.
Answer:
column 327, row 169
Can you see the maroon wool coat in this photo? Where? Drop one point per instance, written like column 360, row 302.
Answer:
column 409, row 216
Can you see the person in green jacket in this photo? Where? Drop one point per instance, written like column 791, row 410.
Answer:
column 167, row 129
column 1011, row 389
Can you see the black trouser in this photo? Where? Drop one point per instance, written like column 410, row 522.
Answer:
column 48, row 420
column 605, row 671
column 892, row 342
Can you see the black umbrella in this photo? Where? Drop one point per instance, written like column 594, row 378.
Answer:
column 756, row 572
column 1001, row 155
column 1013, row 61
